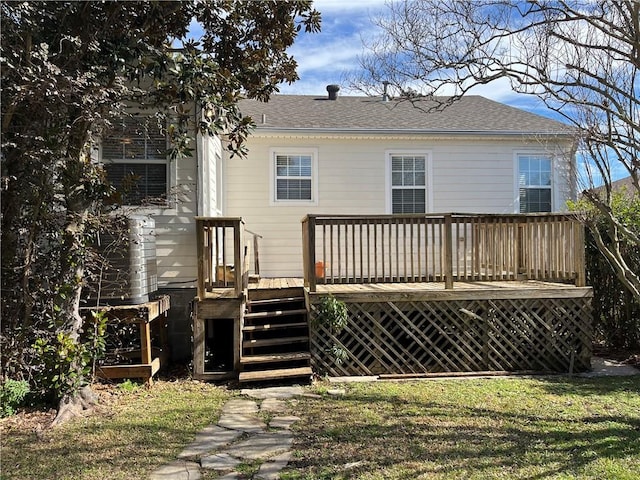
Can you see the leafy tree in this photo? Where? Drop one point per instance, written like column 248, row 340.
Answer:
column 68, row 70
column 581, row 58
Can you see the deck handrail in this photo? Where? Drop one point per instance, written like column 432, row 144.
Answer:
column 223, row 255
column 442, row 247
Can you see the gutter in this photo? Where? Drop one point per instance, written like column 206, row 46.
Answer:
column 377, row 131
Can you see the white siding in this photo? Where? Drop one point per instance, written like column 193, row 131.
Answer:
column 471, row 176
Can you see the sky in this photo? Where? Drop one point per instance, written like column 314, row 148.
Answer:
column 325, row 58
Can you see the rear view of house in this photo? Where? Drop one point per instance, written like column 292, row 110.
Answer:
column 352, row 191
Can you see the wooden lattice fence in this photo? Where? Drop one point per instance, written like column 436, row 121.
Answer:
column 418, row 337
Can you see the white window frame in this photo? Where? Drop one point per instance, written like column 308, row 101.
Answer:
column 516, row 176
column 428, row 167
column 171, row 175
column 273, row 154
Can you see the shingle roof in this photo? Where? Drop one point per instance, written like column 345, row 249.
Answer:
column 471, row 114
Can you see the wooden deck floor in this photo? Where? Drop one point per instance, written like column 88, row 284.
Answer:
column 431, row 290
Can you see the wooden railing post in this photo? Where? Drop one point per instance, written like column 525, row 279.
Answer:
column 201, row 257
column 448, row 252
column 238, row 256
column 310, row 249
column 579, row 254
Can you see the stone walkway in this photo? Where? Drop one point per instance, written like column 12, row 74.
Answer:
column 240, row 437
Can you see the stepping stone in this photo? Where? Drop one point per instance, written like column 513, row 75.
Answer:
column 283, row 422
column 208, row 439
column 273, row 405
column 273, row 392
column 219, row 461
column 242, row 423
column 177, row 470
column 231, row 476
column 271, row 470
column 263, row 446
column 240, row 405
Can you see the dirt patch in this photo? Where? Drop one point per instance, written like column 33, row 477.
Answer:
column 627, row 357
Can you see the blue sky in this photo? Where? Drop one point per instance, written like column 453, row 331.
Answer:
column 326, row 57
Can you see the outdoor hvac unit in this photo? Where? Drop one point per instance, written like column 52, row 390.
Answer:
column 129, row 272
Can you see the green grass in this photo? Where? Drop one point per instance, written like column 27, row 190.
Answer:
column 129, row 438
column 472, row 429
column 461, row 429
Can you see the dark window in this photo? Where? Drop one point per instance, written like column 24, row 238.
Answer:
column 135, row 161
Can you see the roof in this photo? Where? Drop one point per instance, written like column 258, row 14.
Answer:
column 470, row 114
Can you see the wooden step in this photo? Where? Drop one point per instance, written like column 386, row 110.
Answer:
column 274, row 301
column 267, row 342
column 274, row 357
column 275, row 313
column 262, row 375
column 273, row 326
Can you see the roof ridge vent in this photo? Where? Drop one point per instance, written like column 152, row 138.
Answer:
column 333, row 91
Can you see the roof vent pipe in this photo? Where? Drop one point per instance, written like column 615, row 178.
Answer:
column 333, row 91
column 385, row 94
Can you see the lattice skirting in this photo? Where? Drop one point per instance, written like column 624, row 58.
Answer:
column 401, row 337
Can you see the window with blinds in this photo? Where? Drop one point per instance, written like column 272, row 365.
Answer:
column 408, row 184
column 534, row 183
column 293, row 177
column 135, row 161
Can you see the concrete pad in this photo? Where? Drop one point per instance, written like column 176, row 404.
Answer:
column 242, row 423
column 273, row 392
column 273, row 405
column 263, row 446
column 271, row 470
column 177, row 470
column 283, row 422
column 337, row 392
column 361, row 379
column 208, row 439
column 609, row 368
column 219, row 461
column 240, row 405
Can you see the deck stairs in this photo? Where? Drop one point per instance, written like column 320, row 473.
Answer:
column 275, row 336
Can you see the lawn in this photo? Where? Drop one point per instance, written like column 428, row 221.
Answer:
column 471, row 429
column 446, row 429
column 129, row 436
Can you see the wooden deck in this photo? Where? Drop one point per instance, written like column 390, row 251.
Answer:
column 428, row 290
column 424, row 293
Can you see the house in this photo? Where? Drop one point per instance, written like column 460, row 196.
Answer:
column 315, row 159
column 362, row 155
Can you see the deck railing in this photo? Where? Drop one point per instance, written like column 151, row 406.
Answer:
column 223, row 254
column 442, row 248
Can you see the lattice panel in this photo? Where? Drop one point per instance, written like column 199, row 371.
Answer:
column 457, row 335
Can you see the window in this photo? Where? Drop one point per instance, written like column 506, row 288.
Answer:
column 534, row 183
column 408, row 184
column 135, row 161
column 294, row 177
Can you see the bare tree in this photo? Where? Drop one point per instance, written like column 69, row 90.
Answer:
column 581, row 58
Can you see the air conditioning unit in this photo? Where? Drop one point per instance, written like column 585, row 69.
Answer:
column 127, row 272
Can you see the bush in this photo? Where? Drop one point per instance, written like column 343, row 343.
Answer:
column 616, row 314
column 12, row 394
